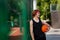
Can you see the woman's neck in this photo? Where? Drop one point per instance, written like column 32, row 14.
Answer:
column 36, row 18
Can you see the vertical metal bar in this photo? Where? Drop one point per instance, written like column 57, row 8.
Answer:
column 26, row 7
column 4, row 29
column 24, row 18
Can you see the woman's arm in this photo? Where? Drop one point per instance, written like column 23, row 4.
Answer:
column 45, row 23
column 31, row 29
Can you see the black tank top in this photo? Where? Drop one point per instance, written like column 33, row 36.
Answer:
column 37, row 28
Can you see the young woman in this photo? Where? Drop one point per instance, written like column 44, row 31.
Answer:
column 35, row 27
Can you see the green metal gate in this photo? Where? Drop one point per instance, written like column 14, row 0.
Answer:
column 23, row 14
column 4, row 29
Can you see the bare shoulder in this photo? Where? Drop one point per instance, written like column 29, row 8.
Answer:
column 31, row 21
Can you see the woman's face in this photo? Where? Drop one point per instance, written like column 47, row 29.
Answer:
column 38, row 14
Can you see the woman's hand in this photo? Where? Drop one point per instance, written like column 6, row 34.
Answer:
column 47, row 25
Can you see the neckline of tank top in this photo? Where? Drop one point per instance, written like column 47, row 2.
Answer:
column 35, row 21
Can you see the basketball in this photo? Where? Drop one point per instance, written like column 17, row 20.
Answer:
column 45, row 28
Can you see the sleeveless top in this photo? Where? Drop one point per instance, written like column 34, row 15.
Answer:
column 37, row 28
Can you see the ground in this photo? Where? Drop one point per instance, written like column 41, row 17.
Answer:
column 53, row 34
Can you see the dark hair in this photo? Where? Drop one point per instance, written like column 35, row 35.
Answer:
column 34, row 12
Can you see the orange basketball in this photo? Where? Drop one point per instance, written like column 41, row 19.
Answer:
column 45, row 28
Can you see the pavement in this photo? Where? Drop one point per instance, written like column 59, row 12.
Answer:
column 53, row 34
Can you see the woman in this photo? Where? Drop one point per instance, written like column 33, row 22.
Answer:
column 35, row 27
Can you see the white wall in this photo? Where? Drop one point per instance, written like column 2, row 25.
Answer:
column 34, row 4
